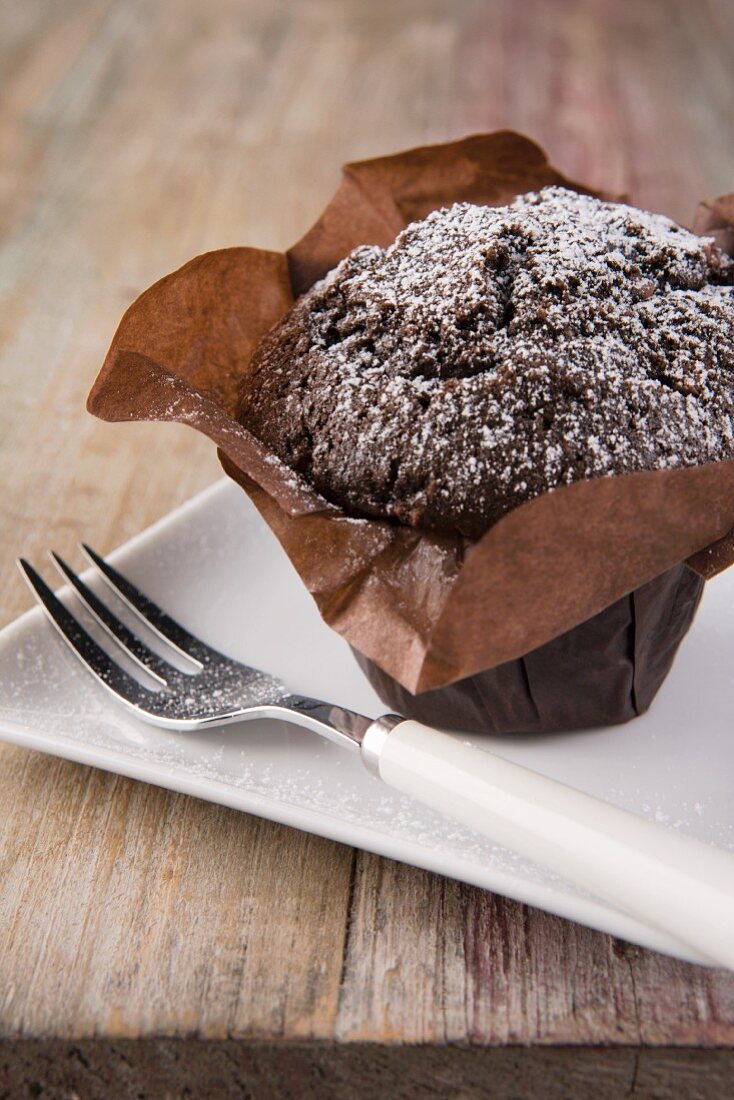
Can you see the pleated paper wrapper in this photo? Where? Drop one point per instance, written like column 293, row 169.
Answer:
column 567, row 613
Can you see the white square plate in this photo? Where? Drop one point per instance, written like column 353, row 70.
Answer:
column 216, row 567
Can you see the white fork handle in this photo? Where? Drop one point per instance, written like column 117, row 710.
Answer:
column 665, row 879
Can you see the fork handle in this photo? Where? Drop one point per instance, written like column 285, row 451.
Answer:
column 668, row 880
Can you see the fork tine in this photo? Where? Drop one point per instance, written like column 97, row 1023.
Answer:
column 149, row 661
column 92, row 656
column 152, row 615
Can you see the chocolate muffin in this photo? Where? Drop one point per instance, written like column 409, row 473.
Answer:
column 492, row 354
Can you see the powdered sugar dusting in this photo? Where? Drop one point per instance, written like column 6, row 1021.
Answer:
column 494, row 353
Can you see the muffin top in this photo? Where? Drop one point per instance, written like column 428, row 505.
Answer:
column 492, row 354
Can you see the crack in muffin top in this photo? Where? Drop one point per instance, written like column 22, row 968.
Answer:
column 491, row 354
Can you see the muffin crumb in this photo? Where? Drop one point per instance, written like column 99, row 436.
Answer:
column 492, row 354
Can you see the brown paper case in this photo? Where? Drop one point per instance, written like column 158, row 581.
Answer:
column 426, row 609
column 604, row 671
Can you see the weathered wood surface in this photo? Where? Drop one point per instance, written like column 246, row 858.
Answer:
column 153, row 1069
column 133, row 135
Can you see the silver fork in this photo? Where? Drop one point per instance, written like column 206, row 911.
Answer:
column 217, row 691
column 669, row 881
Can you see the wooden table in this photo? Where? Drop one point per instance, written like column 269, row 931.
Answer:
column 151, row 943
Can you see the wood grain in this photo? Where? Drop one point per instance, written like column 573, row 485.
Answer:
column 151, row 1069
column 133, row 135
